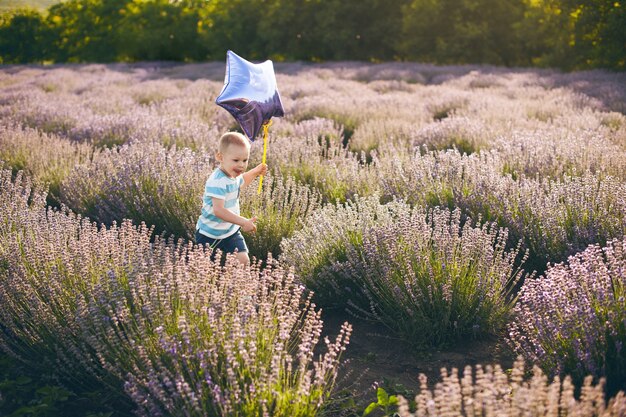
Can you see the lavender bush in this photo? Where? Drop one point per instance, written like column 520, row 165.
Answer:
column 281, row 209
column 425, row 275
column 557, row 152
column 325, row 238
column 319, row 159
column 536, row 151
column 105, row 107
column 45, row 272
column 554, row 218
column 432, row 279
column 462, row 133
column 490, row 391
column 183, row 335
column 441, row 178
column 46, row 158
column 142, row 182
column 163, row 188
column 573, row 320
column 18, row 194
column 243, row 344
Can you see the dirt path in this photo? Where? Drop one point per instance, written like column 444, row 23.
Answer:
column 376, row 359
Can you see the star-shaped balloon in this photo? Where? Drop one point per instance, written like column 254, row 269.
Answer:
column 250, row 93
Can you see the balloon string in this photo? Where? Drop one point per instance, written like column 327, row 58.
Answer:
column 266, row 126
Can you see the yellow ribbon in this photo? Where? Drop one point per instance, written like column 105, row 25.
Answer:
column 266, row 126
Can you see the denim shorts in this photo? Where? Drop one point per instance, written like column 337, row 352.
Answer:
column 226, row 245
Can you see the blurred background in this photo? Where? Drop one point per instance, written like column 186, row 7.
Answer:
column 566, row 34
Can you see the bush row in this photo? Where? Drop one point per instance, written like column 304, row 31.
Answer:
column 159, row 325
column 374, row 214
column 567, row 34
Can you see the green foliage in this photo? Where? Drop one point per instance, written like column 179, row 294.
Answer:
column 22, row 394
column 233, row 24
column 160, row 30
column 385, row 402
column 23, row 36
column 570, row 34
column 114, row 30
column 83, row 30
column 576, row 34
column 599, row 36
column 335, row 29
column 466, row 31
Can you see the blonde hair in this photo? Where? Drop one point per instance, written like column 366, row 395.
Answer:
column 232, row 138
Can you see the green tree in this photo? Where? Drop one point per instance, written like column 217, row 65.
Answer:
column 463, row 31
column 544, row 32
column 87, row 30
column 333, row 29
column 599, row 38
column 160, row 30
column 290, row 30
column 23, row 35
column 577, row 34
column 233, row 24
column 363, row 30
column 570, row 34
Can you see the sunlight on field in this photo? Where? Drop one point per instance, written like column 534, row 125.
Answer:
column 435, row 209
column 15, row 4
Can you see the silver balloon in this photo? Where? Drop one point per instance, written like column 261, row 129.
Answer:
column 250, row 93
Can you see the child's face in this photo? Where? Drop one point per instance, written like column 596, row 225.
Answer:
column 234, row 160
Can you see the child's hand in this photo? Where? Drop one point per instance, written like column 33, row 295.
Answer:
column 261, row 169
column 249, row 225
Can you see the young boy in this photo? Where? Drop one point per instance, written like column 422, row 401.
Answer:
column 219, row 224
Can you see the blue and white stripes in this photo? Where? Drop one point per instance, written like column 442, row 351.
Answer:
column 221, row 186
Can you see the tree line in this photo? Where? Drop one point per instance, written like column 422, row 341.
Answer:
column 569, row 34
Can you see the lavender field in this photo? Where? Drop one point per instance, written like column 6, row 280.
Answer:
column 435, row 209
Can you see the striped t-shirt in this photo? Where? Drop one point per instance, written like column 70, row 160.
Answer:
column 219, row 185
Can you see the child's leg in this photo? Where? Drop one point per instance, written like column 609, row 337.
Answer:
column 237, row 244
column 243, row 258
column 208, row 243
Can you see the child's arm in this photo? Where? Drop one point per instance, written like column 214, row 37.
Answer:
column 247, row 225
column 249, row 176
